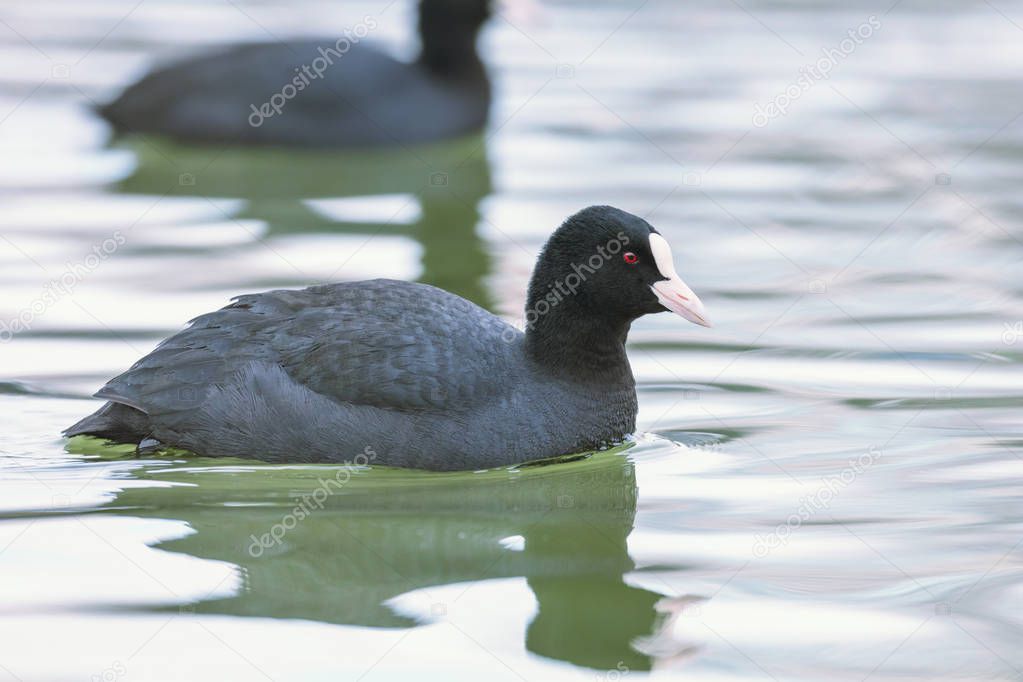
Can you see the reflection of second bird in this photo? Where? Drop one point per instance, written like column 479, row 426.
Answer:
column 335, row 92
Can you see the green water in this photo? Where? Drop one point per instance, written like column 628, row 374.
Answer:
column 348, row 543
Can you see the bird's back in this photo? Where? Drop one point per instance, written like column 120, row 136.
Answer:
column 304, row 94
column 380, row 342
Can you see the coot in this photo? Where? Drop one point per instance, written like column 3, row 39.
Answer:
column 407, row 374
column 335, row 92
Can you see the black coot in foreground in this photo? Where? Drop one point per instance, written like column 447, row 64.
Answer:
column 334, row 92
column 407, row 374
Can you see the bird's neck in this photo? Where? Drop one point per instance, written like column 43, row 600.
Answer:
column 448, row 49
column 573, row 342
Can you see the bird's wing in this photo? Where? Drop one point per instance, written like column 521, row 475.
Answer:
column 381, row 343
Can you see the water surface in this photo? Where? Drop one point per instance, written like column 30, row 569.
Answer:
column 826, row 484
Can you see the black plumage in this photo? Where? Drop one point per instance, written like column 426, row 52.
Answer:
column 417, row 375
column 335, row 92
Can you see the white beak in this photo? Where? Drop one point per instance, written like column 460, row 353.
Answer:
column 672, row 292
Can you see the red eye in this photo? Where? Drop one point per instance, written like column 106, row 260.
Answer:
column 630, row 257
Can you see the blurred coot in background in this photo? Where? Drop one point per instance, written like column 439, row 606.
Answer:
column 338, row 92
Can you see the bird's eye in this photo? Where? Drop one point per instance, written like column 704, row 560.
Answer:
column 630, row 257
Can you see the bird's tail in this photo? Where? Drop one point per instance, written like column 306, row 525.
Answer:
column 113, row 421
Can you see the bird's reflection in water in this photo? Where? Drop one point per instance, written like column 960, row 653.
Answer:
column 445, row 181
column 383, row 533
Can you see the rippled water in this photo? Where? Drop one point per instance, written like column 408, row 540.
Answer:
column 827, row 485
